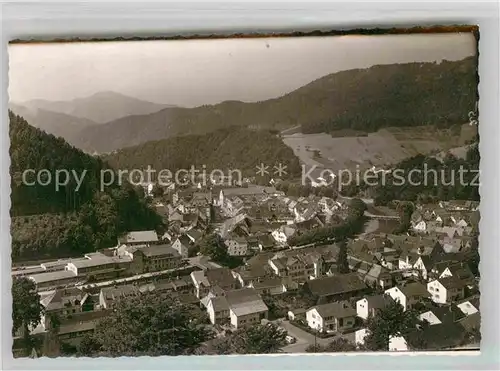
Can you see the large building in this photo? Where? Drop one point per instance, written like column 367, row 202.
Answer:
column 150, row 258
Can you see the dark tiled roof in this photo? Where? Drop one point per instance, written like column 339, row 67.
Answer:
column 336, row 285
column 268, row 283
column 378, row 301
column 437, row 337
column 449, row 313
column 339, row 309
column 184, row 240
column 452, row 282
column 159, row 250
column 414, row 289
column 220, row 276
column 219, row 303
column 471, row 322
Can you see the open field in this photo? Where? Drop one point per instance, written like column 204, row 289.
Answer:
column 382, row 148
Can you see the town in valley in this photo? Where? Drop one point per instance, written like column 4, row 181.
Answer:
column 268, row 263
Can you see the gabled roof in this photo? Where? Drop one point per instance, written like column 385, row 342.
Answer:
column 437, row 337
column 461, row 271
column 159, row 250
column 245, row 301
column 378, row 301
column 251, row 272
column 184, row 240
column 52, row 276
column 336, row 285
column 199, row 278
column 195, row 234
column 220, row 276
column 114, row 293
column 248, row 191
column 267, row 283
column 449, row 313
column 62, row 297
column 474, row 300
column 452, row 282
column 471, row 322
column 340, row 309
column 414, row 289
column 140, row 236
column 219, row 303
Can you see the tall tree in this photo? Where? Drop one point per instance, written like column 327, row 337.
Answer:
column 26, row 307
column 26, row 310
column 390, row 321
column 148, row 324
column 335, row 346
column 259, row 339
column 342, row 262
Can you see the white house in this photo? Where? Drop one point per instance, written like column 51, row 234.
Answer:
column 446, row 290
column 369, row 305
column 331, row 317
column 408, row 295
column 422, row 266
column 236, row 246
column 181, row 245
column 460, row 271
column 246, row 308
column 218, row 310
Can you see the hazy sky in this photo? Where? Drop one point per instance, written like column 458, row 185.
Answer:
column 196, row 72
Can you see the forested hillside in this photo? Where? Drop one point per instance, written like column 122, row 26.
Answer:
column 225, row 149
column 411, row 94
column 47, row 222
column 56, row 123
column 432, row 180
column 100, row 107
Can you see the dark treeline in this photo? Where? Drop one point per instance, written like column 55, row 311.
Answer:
column 233, row 148
column 47, row 222
column 412, row 94
column 304, row 190
column 432, row 180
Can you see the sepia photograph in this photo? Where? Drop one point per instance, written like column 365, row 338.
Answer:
column 261, row 194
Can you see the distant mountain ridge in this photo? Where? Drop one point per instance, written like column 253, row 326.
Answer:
column 55, row 123
column 396, row 95
column 100, row 107
column 412, row 94
column 233, row 148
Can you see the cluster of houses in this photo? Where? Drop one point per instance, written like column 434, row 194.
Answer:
column 427, row 271
column 420, row 272
column 452, row 223
column 249, row 219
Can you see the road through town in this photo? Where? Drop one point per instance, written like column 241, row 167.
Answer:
column 304, row 339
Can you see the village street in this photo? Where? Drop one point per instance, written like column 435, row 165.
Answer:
column 304, row 339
